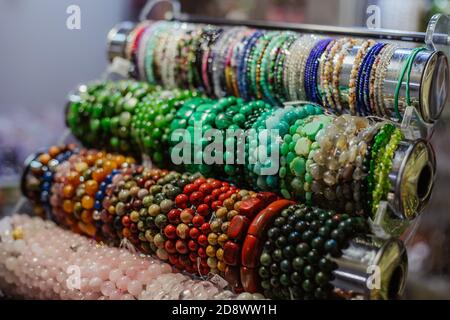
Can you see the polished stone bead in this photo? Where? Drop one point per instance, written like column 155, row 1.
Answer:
column 238, row 227
column 249, row 280
column 277, row 255
column 231, row 253
column 321, row 278
column 274, row 269
column 281, row 242
column 250, row 251
column 302, row 249
column 275, row 282
column 264, row 273
column 294, row 237
column 308, row 286
column 285, row 280
column 309, row 272
column 285, row 266
column 332, row 247
column 265, row 259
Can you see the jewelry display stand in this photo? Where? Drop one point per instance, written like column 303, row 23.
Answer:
column 414, row 165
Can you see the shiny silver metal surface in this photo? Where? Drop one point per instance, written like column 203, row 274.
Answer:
column 117, row 39
column 371, row 268
column 412, row 178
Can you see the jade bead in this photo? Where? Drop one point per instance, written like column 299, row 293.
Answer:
column 281, row 242
column 277, row 255
column 265, row 284
column 300, row 226
column 302, row 249
column 264, row 273
column 309, row 272
column 274, row 269
column 285, row 266
column 265, row 259
column 331, row 246
column 308, row 285
column 321, row 278
column 313, row 256
column 298, row 263
column 274, row 282
column 294, row 237
column 296, row 278
column 317, row 243
column 285, row 280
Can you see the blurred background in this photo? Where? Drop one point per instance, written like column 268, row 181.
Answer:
column 42, row 60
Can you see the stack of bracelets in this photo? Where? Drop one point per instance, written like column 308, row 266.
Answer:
column 37, row 259
column 341, row 163
column 257, row 241
column 273, row 66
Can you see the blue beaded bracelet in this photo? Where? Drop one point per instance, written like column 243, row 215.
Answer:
column 243, row 61
column 363, row 95
column 311, row 69
column 362, row 80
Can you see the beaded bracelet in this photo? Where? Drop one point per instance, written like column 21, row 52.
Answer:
column 296, row 261
column 268, row 61
column 234, row 64
column 336, row 165
column 102, row 115
column 150, row 126
column 181, row 63
column 354, row 75
column 243, row 63
column 296, row 64
column 141, row 51
column 384, row 165
column 42, row 170
column 384, row 58
column 133, row 40
column 76, row 187
column 380, row 141
column 337, row 68
column 220, row 51
column 253, row 245
column 311, row 70
column 151, row 44
column 237, row 214
column 193, row 75
column 326, row 71
column 256, row 64
column 277, row 87
column 362, row 83
column 296, row 148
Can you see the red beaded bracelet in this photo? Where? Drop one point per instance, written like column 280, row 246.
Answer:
column 253, row 244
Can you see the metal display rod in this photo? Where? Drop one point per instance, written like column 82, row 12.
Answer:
column 436, row 36
column 386, row 34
